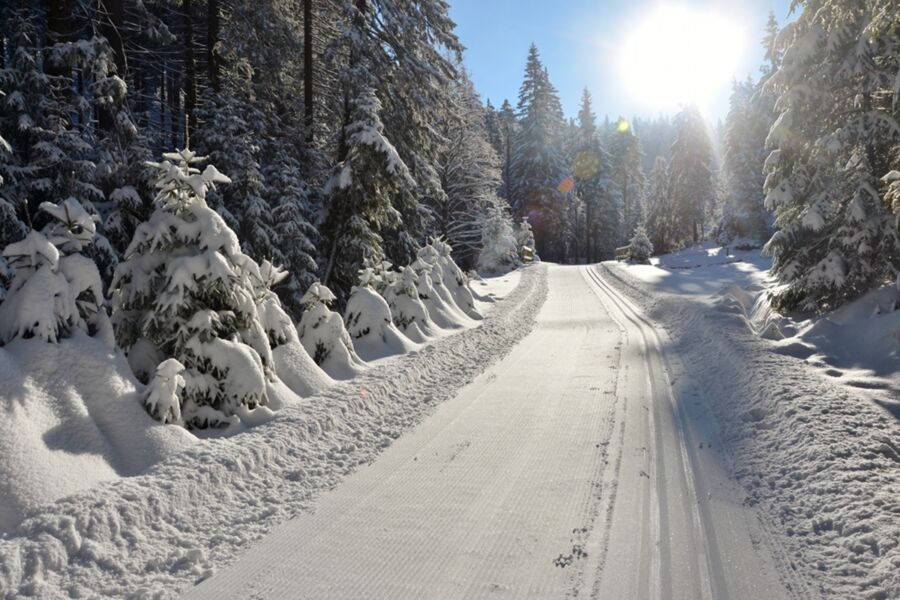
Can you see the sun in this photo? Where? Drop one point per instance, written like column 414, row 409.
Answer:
column 677, row 55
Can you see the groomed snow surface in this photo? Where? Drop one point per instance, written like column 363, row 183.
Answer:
column 150, row 509
column 806, row 411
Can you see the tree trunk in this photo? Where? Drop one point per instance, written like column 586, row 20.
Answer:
column 308, row 69
column 190, row 76
column 212, row 38
column 111, row 18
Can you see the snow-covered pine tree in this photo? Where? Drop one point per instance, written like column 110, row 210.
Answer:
column 509, row 132
column 324, row 336
column 660, row 224
column 524, row 235
column 691, row 177
column 55, row 288
column 835, row 139
column 538, row 167
column 359, row 197
column 469, row 174
column 601, row 198
column 369, row 321
column 746, row 127
column 499, row 247
column 409, row 313
column 186, row 289
column 232, row 131
column 293, row 214
column 626, row 158
column 639, row 247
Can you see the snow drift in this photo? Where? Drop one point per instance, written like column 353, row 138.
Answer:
column 71, row 418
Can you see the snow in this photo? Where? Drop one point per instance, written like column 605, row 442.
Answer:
column 806, row 410
column 323, row 335
column 369, row 323
column 72, row 417
column 173, row 524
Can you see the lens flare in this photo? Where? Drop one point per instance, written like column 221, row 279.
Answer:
column 567, row 185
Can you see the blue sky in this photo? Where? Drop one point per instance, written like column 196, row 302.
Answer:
column 579, row 42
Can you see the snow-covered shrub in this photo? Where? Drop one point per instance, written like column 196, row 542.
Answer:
column 409, row 313
column 444, row 315
column 369, row 322
column 640, row 248
column 54, row 288
column 161, row 398
column 186, row 288
column 275, row 321
column 524, row 235
column 455, row 280
column 324, row 336
column 500, row 249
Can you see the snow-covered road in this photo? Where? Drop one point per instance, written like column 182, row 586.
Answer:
column 566, row 469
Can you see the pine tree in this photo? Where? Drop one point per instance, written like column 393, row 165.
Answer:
column 55, row 288
column 744, row 213
column 691, row 177
column 660, row 224
column 538, row 167
column 627, row 174
column 469, row 175
column 591, row 169
column 359, row 197
column 834, row 141
column 186, row 288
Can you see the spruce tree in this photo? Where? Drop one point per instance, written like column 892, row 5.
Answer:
column 691, row 177
column 600, row 198
column 627, row 174
column 186, row 289
column 538, row 167
column 833, row 144
column 359, row 195
column 660, row 223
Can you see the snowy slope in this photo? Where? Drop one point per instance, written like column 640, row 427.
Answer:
column 153, row 534
column 70, row 417
column 819, row 460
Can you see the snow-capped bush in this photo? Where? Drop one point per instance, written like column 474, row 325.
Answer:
column 524, row 235
column 640, row 248
column 443, row 315
column 186, row 288
column 369, row 322
column 409, row 313
column 161, row 398
column 54, row 287
column 324, row 336
column 455, row 280
column 275, row 321
column 500, row 249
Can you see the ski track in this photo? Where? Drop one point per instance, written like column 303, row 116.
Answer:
column 566, row 470
column 152, row 535
column 816, row 460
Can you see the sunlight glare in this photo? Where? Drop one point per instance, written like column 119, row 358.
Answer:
column 677, row 55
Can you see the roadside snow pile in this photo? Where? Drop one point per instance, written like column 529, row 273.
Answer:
column 71, row 418
column 152, row 535
column 819, row 460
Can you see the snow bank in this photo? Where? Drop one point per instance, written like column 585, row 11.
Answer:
column 154, row 534
column 818, row 460
column 71, row 417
